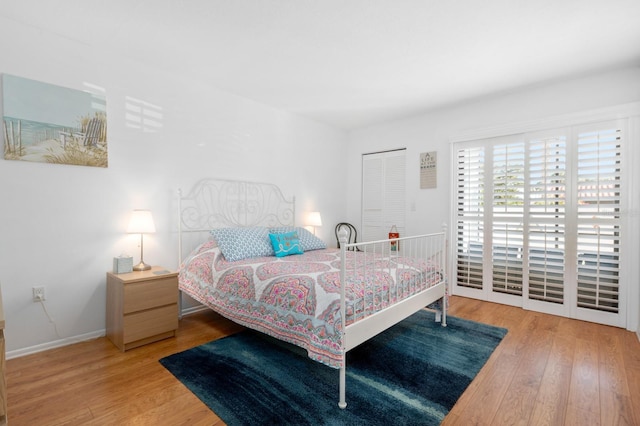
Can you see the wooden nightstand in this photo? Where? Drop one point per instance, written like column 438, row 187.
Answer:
column 142, row 307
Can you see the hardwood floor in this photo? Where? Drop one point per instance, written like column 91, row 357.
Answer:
column 547, row 371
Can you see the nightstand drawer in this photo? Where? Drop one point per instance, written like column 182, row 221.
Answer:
column 143, row 295
column 141, row 325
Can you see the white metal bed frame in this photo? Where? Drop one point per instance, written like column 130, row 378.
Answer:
column 431, row 248
column 214, row 203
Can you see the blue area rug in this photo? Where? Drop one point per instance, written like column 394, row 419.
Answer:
column 413, row 373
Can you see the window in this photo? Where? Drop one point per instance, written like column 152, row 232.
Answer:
column 538, row 219
column 598, row 211
column 470, row 211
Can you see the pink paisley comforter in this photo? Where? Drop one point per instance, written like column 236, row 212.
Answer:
column 297, row 298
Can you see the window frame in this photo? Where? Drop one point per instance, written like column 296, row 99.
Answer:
column 629, row 291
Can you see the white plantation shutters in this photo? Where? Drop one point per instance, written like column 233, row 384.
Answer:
column 546, row 211
column 598, row 205
column 539, row 220
column 546, row 262
column 383, row 194
column 506, row 257
column 507, row 225
column 470, row 216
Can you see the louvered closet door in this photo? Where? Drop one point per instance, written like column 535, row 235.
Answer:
column 383, row 194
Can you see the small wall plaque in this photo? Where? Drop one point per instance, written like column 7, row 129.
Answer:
column 429, row 170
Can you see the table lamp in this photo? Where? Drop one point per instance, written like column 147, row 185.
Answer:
column 314, row 220
column 141, row 222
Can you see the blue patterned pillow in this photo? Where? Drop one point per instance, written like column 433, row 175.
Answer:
column 308, row 241
column 285, row 244
column 243, row 243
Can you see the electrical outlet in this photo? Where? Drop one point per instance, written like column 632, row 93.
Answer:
column 38, row 294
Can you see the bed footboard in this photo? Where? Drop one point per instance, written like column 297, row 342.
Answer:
column 418, row 274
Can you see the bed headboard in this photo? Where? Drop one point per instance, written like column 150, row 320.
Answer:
column 217, row 203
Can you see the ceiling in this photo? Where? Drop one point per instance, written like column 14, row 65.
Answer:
column 353, row 63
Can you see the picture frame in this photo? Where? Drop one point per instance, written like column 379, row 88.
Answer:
column 46, row 123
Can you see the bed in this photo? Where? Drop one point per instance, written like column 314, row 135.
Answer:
column 242, row 255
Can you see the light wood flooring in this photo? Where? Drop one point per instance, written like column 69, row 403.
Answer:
column 547, row 371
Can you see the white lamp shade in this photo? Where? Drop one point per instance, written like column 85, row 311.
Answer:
column 314, row 219
column 141, row 222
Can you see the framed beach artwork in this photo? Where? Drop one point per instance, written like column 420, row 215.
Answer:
column 52, row 124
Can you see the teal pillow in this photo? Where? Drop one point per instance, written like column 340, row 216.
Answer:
column 308, row 241
column 285, row 244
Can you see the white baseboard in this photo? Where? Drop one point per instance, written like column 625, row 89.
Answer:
column 55, row 344
column 80, row 338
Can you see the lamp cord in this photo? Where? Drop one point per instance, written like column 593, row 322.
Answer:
column 55, row 327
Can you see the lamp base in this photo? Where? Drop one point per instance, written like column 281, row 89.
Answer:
column 141, row 267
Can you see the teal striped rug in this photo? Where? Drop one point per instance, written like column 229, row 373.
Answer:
column 411, row 374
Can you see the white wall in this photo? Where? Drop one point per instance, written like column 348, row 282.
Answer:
column 60, row 226
column 433, row 132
